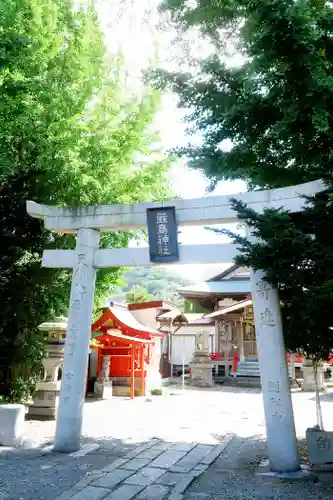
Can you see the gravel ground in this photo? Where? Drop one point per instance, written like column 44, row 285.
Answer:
column 33, row 474
column 200, row 415
column 234, row 476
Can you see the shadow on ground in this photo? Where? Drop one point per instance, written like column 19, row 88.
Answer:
column 36, row 474
column 235, row 475
column 325, row 398
column 216, row 388
column 203, row 416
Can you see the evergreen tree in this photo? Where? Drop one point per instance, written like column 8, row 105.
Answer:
column 296, row 251
column 70, row 135
column 275, row 108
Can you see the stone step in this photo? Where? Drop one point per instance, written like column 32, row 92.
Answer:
column 244, row 381
column 248, row 368
column 245, row 366
column 252, row 364
column 247, row 373
column 249, row 362
column 250, row 372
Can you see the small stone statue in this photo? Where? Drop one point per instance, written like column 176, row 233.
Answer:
column 105, row 371
column 202, row 341
column 103, row 385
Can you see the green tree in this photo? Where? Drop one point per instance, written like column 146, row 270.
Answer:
column 70, row 135
column 159, row 282
column 296, row 251
column 137, row 295
column 275, row 107
column 275, row 110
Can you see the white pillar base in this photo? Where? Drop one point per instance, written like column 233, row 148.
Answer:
column 301, row 474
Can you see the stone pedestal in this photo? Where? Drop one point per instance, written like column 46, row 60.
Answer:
column 46, row 401
column 47, row 396
column 121, row 387
column 309, row 383
column 103, row 385
column 11, row 424
column 201, row 373
column 201, row 367
column 320, row 446
column 103, row 390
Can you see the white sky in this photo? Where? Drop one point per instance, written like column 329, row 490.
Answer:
column 131, row 26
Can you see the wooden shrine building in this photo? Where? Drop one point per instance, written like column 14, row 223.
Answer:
column 134, row 350
column 226, row 300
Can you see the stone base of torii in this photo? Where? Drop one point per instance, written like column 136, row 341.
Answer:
column 87, row 222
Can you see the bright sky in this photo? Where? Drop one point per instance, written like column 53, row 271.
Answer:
column 132, row 27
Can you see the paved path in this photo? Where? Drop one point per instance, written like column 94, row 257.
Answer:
column 148, row 448
column 154, row 471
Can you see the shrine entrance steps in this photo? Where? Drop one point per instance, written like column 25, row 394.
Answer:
column 247, row 374
column 248, row 368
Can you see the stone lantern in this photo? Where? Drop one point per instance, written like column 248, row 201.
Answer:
column 47, row 394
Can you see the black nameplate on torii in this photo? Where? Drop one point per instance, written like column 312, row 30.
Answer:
column 162, row 234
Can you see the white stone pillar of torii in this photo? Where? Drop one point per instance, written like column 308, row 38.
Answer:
column 88, row 222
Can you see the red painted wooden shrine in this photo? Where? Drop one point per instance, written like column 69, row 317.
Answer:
column 129, row 343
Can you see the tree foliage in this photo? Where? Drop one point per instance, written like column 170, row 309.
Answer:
column 70, row 135
column 275, row 108
column 296, row 252
column 155, row 283
column 138, row 295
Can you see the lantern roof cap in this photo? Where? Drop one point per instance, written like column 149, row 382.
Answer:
column 58, row 323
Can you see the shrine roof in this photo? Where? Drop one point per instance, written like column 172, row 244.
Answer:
column 153, row 304
column 173, row 315
column 201, row 319
column 234, row 307
column 234, row 272
column 124, row 320
column 127, row 338
column 223, row 287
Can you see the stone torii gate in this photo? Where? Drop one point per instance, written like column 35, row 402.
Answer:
column 88, row 222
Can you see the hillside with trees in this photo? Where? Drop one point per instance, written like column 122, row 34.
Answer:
column 148, row 283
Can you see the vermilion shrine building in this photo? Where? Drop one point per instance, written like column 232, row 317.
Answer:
column 135, row 349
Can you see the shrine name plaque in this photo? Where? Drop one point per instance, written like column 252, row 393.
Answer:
column 162, row 234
